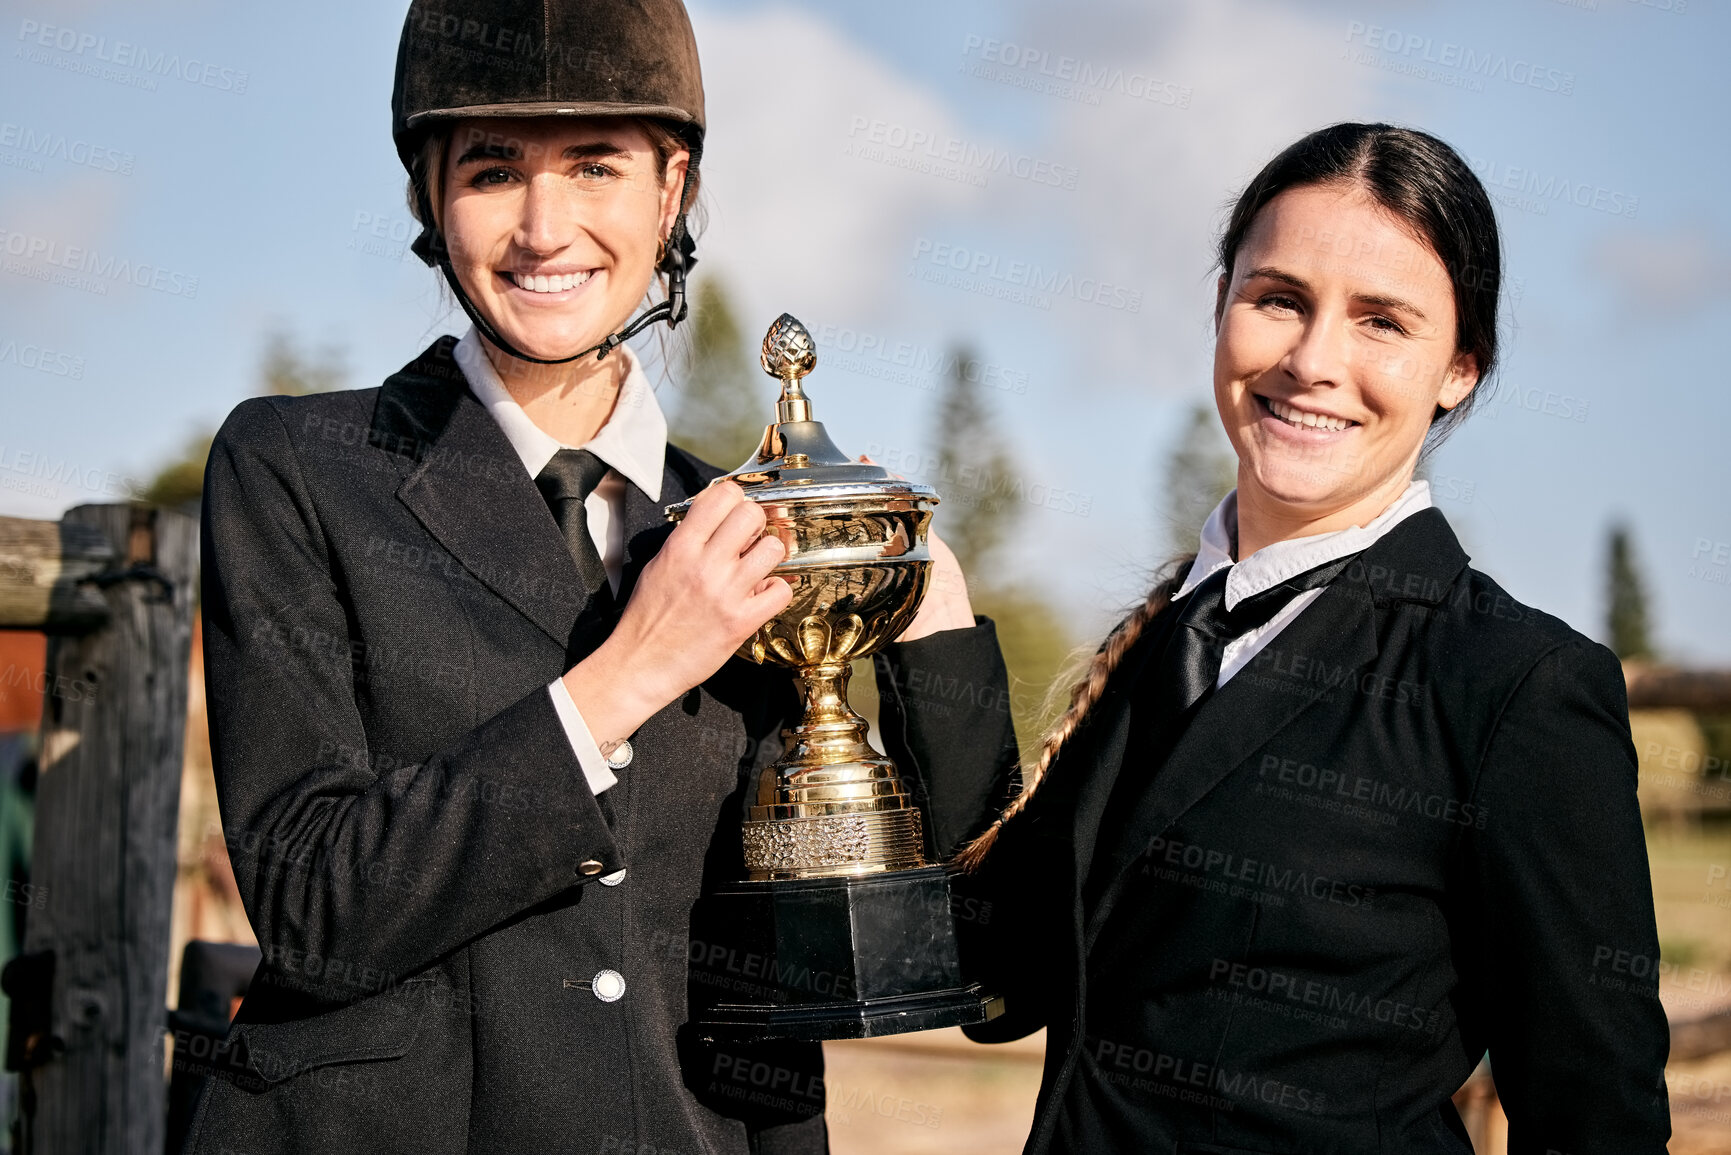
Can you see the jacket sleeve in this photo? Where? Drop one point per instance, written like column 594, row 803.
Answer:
column 340, row 854
column 1562, row 951
column 944, row 713
column 1012, row 925
column 945, row 718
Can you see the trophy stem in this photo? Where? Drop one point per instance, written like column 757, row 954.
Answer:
column 833, row 805
column 829, row 731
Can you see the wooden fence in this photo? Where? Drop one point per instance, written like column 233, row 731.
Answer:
column 113, row 586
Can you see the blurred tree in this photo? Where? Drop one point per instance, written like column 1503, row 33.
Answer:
column 289, row 373
column 1626, row 596
column 1200, row 469
column 1037, row 646
column 978, row 517
column 974, row 470
column 724, row 402
column 180, row 483
column 283, row 372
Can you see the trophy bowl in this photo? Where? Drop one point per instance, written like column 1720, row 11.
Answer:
column 859, row 565
column 852, row 926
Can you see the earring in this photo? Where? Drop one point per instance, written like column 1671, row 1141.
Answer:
column 660, row 251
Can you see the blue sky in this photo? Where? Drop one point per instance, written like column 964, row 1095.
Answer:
column 236, row 160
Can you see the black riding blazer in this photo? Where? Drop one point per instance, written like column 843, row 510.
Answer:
column 386, row 598
column 1406, row 833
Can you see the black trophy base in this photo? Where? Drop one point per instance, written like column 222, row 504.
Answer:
column 830, row 958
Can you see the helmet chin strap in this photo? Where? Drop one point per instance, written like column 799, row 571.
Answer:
column 430, row 247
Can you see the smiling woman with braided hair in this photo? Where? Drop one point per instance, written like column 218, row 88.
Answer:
column 1330, row 816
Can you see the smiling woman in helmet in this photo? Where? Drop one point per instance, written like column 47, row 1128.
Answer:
column 475, row 715
column 555, row 227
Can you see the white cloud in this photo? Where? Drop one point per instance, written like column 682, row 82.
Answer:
column 1159, row 176
column 41, row 224
column 1661, row 272
column 794, row 222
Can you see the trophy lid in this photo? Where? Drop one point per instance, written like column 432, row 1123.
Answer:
column 796, row 456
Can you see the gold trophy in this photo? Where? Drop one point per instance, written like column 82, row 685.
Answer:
column 844, row 929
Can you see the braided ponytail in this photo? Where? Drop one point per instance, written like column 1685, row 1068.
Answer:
column 1083, row 695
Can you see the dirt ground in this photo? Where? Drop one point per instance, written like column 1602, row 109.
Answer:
column 1701, row 1106
column 939, row 1093
column 930, row 1093
column 1692, row 898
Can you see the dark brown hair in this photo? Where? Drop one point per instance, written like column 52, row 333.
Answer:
column 1425, row 184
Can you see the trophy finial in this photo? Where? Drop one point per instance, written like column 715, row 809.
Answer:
column 788, row 351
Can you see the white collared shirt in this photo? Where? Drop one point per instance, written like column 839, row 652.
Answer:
column 633, row 443
column 1273, row 564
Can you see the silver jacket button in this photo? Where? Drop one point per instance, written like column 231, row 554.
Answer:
column 608, row 985
column 614, row 879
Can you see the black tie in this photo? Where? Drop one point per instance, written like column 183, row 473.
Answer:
column 1191, row 664
column 570, row 477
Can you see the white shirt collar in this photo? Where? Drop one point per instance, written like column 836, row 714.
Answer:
column 1273, row 564
column 633, row 440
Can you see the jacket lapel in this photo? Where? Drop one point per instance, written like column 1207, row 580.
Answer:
column 646, row 524
column 1337, row 632
column 1325, row 645
column 1323, row 650
column 469, row 489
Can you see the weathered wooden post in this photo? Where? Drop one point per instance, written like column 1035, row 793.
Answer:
column 113, row 586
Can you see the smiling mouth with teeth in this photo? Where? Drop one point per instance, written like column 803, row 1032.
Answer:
column 545, row 284
column 1300, row 419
